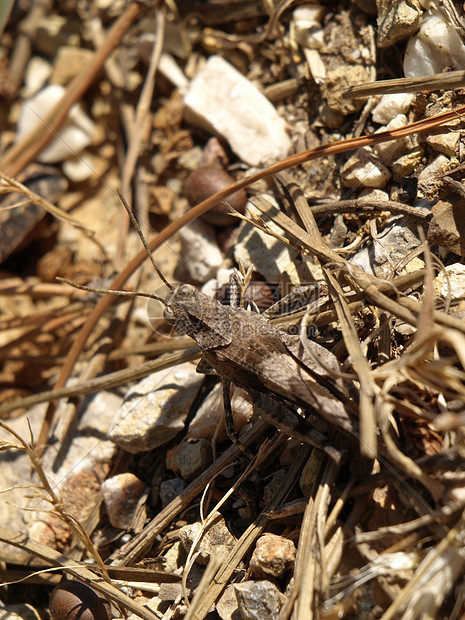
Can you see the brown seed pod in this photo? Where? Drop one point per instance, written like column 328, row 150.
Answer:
column 206, row 181
column 73, row 600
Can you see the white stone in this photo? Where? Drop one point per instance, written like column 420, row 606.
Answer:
column 369, row 195
column 38, row 70
column 221, row 100
column 200, row 252
column 121, row 494
column 210, row 414
column 390, row 106
column 437, row 166
column 447, row 142
column 269, row 256
column 307, row 26
column 451, row 280
column 387, row 251
column 388, row 151
column 434, row 48
column 213, row 285
column 216, row 539
column 316, row 65
column 78, row 169
column 74, row 135
column 364, row 169
column 170, row 69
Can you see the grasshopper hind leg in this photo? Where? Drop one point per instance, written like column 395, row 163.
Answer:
column 229, row 419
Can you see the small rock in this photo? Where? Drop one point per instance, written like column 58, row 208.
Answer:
column 192, row 458
column 307, row 23
column 447, row 142
column 273, row 555
column 451, row 281
column 364, row 169
column 200, row 252
column 210, row 414
column 316, row 65
column 447, row 228
column 391, row 106
column 222, row 101
column 264, row 252
column 68, row 63
column 340, row 78
column 382, row 257
column 170, row 489
column 387, row 151
column 75, row 134
column 406, row 164
column 397, row 20
column 216, row 540
column 154, row 410
column 38, row 71
column 174, row 558
column 436, row 47
column 170, row 591
column 79, row 472
column 227, row 604
column 78, row 169
column 437, row 166
column 121, row 494
column 369, row 195
column 258, row 600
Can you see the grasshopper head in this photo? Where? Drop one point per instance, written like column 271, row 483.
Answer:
column 184, row 309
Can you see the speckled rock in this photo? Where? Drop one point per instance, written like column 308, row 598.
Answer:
column 258, row 600
column 451, row 281
column 210, row 414
column 217, row 539
column 397, row 20
column 447, row 228
column 192, row 457
column 273, row 555
column 154, row 410
column 364, row 169
column 121, row 494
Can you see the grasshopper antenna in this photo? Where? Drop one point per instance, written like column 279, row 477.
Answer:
column 135, row 223
column 107, row 291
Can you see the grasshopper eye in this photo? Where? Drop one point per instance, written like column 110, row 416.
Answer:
column 185, row 290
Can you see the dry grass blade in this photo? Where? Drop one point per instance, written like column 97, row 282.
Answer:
column 111, row 380
column 52, row 497
column 12, row 185
column 51, row 556
column 433, row 579
column 225, row 572
column 360, row 364
column 438, row 81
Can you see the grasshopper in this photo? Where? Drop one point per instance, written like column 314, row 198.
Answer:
column 246, row 350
